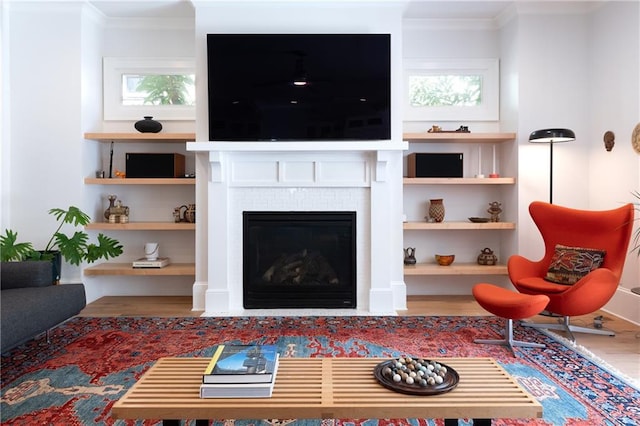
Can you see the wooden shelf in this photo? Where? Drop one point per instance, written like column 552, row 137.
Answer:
column 459, row 137
column 454, row 269
column 140, row 181
column 459, row 181
column 140, row 137
column 184, row 269
column 445, row 226
column 142, row 226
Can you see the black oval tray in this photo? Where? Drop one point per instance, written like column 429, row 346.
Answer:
column 451, row 380
column 479, row 219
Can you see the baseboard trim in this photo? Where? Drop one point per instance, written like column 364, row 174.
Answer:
column 624, row 304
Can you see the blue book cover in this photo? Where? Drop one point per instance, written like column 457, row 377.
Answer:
column 242, row 364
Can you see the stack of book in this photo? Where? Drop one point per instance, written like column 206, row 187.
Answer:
column 240, row 371
column 143, row 262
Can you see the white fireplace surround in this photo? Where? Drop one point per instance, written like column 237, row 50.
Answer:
column 360, row 176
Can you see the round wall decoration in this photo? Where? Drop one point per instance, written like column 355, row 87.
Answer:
column 635, row 138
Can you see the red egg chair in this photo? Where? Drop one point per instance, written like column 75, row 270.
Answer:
column 584, row 255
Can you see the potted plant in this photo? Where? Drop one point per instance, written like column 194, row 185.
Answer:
column 74, row 248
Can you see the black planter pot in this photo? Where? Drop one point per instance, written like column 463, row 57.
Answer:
column 56, row 263
column 148, row 125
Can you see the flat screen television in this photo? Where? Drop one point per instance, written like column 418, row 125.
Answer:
column 299, row 87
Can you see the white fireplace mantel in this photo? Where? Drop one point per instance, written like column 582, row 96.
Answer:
column 361, row 176
column 323, row 146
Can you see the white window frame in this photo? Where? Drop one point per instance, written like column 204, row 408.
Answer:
column 114, row 68
column 488, row 110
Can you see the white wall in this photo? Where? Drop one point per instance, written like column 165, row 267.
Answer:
column 553, row 83
column 614, row 104
column 592, row 87
column 44, row 118
column 48, row 112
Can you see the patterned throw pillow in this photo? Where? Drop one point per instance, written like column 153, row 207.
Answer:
column 569, row 264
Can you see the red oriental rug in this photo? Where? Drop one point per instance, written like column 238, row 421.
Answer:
column 91, row 362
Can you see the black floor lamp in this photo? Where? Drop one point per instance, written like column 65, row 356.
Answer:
column 551, row 136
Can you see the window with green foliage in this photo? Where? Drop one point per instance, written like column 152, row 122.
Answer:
column 445, row 90
column 163, row 88
column 158, row 89
column 452, row 90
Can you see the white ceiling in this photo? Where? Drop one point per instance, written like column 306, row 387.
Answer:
column 427, row 9
column 415, row 9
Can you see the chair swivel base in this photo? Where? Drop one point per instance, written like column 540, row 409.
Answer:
column 509, row 340
column 569, row 328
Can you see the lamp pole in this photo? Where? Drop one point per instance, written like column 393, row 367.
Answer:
column 551, row 136
column 551, row 172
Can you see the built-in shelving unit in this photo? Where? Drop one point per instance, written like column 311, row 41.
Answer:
column 112, row 268
column 433, row 269
column 455, row 269
column 139, row 181
column 460, row 181
column 142, row 226
column 126, row 269
column 459, row 137
column 444, row 226
column 141, row 137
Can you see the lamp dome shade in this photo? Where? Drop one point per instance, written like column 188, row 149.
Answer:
column 552, row 136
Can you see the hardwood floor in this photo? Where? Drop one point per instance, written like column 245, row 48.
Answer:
column 622, row 351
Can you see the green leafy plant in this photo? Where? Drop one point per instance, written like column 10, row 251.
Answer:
column 74, row 248
column 10, row 249
column 166, row 89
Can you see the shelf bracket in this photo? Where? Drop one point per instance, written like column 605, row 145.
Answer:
column 215, row 162
column 382, row 161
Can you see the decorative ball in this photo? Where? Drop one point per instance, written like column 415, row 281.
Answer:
column 415, row 372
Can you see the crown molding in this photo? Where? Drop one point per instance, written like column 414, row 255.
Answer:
column 449, row 24
column 151, row 23
column 556, row 7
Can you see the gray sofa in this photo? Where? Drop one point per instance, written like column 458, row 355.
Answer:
column 31, row 304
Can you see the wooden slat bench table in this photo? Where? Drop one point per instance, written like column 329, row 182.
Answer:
column 327, row 388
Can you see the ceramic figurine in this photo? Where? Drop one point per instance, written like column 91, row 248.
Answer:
column 486, row 257
column 495, row 208
column 410, row 256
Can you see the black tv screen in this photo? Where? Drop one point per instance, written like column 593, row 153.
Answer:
column 299, row 87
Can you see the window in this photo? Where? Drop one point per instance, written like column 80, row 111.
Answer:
column 451, row 90
column 160, row 87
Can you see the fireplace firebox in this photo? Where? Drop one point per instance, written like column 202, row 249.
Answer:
column 299, row 259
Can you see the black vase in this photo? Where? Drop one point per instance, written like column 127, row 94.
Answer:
column 148, row 125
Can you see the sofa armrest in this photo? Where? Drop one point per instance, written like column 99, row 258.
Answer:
column 25, row 274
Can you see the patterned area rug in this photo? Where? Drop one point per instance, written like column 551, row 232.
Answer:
column 91, row 362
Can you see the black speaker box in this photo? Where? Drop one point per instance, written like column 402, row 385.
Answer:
column 429, row 165
column 155, row 165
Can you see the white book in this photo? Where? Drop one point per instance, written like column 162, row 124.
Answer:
column 143, row 262
column 237, row 390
